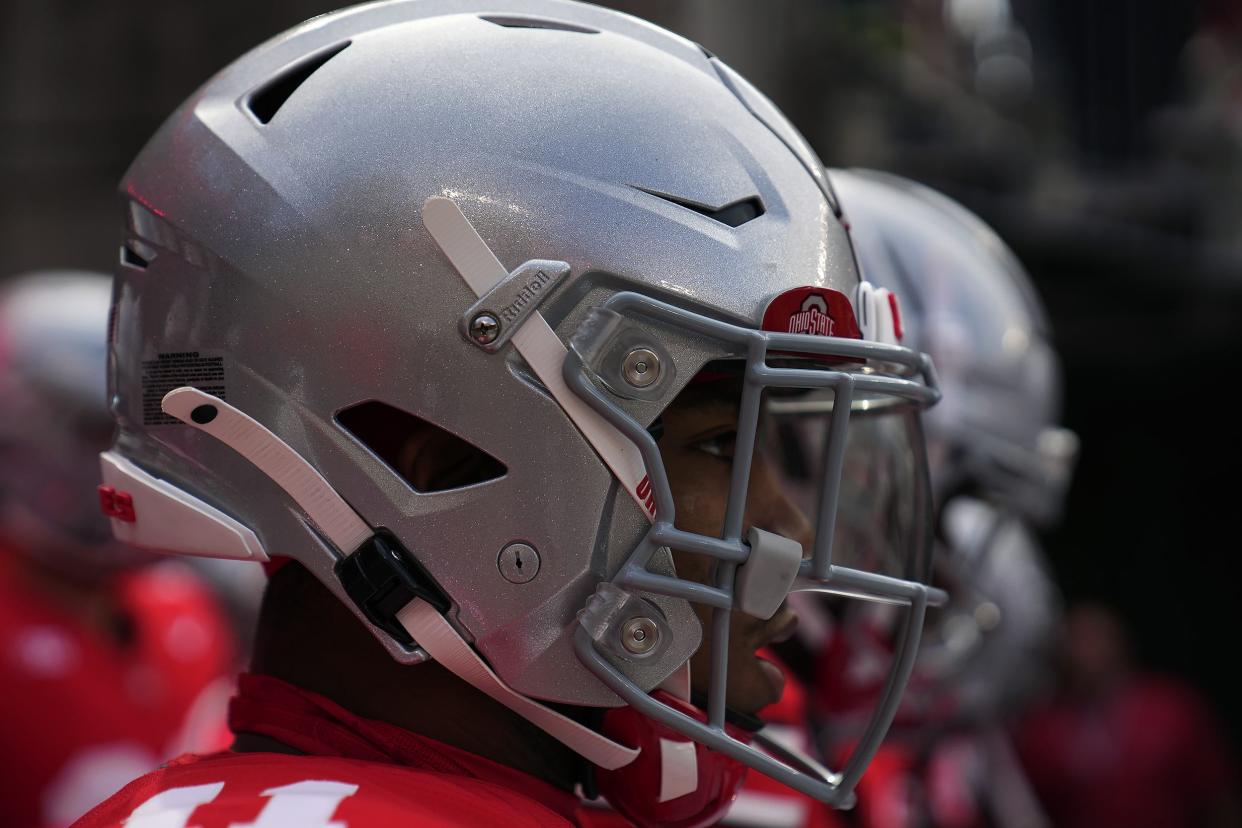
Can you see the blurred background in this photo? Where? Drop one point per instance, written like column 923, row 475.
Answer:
column 1102, row 140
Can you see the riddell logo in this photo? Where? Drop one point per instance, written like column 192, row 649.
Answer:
column 813, row 319
column 525, row 296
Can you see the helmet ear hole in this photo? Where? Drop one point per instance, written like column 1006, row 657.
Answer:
column 424, row 455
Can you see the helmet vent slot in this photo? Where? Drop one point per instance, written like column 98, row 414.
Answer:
column 515, row 21
column 267, row 100
column 427, row 457
column 734, row 215
column 130, row 258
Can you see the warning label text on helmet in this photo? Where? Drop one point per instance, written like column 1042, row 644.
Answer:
column 203, row 370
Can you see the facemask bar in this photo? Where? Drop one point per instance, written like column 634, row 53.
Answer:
column 909, row 376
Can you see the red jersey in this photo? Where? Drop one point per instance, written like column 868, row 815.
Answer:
column 1150, row 754
column 358, row 772
column 86, row 713
column 272, row 790
column 765, row 803
column 903, row 789
column 762, row 802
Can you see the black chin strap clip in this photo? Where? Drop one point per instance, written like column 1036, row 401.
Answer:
column 381, row 577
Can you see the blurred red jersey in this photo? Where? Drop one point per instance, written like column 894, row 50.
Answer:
column 357, row 773
column 1149, row 754
column 766, row 803
column 267, row 790
column 85, row 713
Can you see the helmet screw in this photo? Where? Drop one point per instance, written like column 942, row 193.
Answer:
column 518, row 563
column 640, row 635
column 641, row 367
column 484, row 328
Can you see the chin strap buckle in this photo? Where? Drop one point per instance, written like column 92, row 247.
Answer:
column 381, row 577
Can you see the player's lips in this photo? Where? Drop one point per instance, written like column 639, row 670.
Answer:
column 775, row 678
column 780, row 627
column 776, row 629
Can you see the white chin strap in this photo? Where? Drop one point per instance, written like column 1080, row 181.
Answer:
column 348, row 531
column 435, row 635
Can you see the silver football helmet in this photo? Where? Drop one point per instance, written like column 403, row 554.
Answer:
column 967, row 301
column 525, row 226
column 54, row 419
column 999, row 459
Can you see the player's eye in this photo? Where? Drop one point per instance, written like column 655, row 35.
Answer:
column 719, row 445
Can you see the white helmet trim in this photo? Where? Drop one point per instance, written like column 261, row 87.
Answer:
column 173, row 521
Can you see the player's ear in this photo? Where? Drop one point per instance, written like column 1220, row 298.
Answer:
column 426, row 456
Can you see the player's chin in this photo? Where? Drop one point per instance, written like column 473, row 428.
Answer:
column 760, row 684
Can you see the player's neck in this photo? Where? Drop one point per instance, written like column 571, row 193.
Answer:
column 326, row 650
column 430, row 701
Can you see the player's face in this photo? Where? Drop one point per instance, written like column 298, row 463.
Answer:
column 697, row 448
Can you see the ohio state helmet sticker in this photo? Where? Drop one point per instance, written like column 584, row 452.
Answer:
column 812, row 310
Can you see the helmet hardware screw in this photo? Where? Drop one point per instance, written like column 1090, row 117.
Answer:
column 518, row 563
column 641, row 367
column 484, row 328
column 640, row 635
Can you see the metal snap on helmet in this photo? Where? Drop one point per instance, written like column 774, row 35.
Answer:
column 528, row 225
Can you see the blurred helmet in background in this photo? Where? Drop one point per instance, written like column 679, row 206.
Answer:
column 968, row 302
column 1000, row 463
column 54, row 421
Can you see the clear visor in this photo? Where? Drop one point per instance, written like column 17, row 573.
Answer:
column 881, row 494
